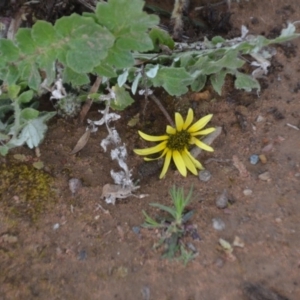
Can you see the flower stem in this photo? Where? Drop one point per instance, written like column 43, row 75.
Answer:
column 164, row 111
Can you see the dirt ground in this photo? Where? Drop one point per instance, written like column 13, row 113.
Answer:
column 77, row 251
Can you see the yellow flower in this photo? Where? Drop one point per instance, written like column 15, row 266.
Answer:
column 176, row 142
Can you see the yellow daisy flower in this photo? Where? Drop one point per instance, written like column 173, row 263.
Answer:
column 176, row 142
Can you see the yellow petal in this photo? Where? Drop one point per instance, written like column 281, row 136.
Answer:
column 179, row 162
column 194, row 160
column 178, row 121
column 163, row 154
column 204, row 131
column 153, row 138
column 151, row 150
column 189, row 119
column 170, row 130
column 189, row 163
column 166, row 164
column 201, row 144
column 200, row 124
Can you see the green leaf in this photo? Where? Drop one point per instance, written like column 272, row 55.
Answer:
column 4, row 150
column 87, row 42
column 129, row 24
column 217, row 39
column 161, row 37
column 173, row 80
column 46, row 62
column 8, row 51
column 199, row 83
column 122, row 100
column 76, row 79
column 25, row 41
column 34, row 132
column 119, row 58
column 170, row 210
column 246, row 82
column 217, row 80
column 13, row 91
column 29, row 113
column 25, row 97
column 230, row 60
column 12, row 75
column 105, row 70
column 43, row 33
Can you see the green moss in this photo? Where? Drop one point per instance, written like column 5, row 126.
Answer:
column 25, row 191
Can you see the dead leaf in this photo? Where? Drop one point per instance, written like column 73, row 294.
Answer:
column 38, row 165
column 240, row 166
column 81, row 142
column 134, row 120
column 20, row 157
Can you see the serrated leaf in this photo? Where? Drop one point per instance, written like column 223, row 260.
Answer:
column 105, row 70
column 13, row 91
column 34, row 131
column 87, row 42
column 230, row 60
column 25, row 97
column 129, row 24
column 29, row 73
column 29, row 113
column 217, row 80
column 46, row 62
column 161, row 37
column 119, row 58
column 246, row 82
column 43, row 33
column 8, row 51
column 123, row 98
column 173, row 80
column 76, row 79
column 25, row 41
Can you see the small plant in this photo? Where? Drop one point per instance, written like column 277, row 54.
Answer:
column 174, row 226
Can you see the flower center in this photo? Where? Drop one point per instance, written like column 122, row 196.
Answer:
column 179, row 140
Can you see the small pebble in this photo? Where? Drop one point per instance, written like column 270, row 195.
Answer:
column 56, row 226
column 254, row 159
column 260, row 119
column 219, row 262
column 222, row 200
column 247, row 192
column 75, row 185
column 238, row 242
column 265, row 176
column 263, row 159
column 204, row 175
column 82, row 255
column 192, row 247
column 218, row 224
column 136, row 229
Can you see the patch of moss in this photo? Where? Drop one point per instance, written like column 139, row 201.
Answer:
column 24, row 190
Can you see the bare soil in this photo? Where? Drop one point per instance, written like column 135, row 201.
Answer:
column 77, row 251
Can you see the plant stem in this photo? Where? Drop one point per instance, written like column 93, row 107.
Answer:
column 164, row 111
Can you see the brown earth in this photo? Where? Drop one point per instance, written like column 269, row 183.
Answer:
column 97, row 255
